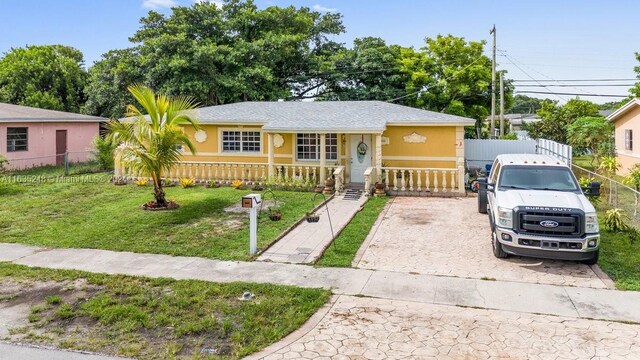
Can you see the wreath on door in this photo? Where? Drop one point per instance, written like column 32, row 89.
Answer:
column 362, row 151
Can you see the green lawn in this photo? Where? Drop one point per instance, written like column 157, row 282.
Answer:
column 152, row 318
column 97, row 214
column 620, row 259
column 344, row 248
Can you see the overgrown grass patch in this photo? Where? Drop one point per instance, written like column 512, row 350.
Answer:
column 90, row 212
column 154, row 318
column 346, row 245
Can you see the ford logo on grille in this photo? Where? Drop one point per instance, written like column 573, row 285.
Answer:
column 549, row 223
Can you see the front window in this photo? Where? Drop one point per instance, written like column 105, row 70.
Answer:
column 628, row 139
column 17, row 139
column 241, row 141
column 308, row 146
column 537, row 178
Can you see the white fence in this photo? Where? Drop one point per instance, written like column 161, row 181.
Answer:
column 556, row 149
column 479, row 152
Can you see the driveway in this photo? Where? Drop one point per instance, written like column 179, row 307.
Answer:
column 447, row 236
column 368, row 328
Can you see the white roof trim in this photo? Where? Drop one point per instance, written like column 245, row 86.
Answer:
column 621, row 111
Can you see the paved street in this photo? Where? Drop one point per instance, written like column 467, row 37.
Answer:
column 447, row 236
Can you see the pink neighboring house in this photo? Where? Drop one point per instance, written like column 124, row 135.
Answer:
column 33, row 137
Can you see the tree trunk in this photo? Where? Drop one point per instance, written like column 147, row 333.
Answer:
column 158, row 192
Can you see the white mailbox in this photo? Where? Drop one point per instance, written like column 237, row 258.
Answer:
column 252, row 201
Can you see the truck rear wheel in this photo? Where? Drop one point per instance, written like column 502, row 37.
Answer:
column 594, row 259
column 482, row 202
column 497, row 246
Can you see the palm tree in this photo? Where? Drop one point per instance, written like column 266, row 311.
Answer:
column 150, row 144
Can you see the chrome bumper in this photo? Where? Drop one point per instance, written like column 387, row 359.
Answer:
column 547, row 247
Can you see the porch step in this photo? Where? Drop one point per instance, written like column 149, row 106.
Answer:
column 352, row 194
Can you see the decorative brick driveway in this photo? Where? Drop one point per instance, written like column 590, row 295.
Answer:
column 366, row 328
column 447, row 236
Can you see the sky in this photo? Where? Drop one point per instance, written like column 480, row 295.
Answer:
column 544, row 40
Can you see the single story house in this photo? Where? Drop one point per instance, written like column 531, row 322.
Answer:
column 33, row 137
column 359, row 143
column 626, row 121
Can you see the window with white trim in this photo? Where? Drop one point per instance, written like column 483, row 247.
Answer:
column 628, row 139
column 308, row 147
column 241, row 141
column 17, row 139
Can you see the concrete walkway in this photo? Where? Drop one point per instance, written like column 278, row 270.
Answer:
column 575, row 302
column 306, row 243
column 29, row 352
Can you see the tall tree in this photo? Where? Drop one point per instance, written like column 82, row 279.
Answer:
column 44, row 76
column 226, row 54
column 635, row 90
column 149, row 143
column 554, row 118
column 523, row 104
column 594, row 133
column 450, row 75
column 368, row 71
column 109, row 78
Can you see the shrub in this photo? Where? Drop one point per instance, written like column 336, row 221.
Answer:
column 104, row 152
column 141, row 182
column 3, row 162
column 614, row 220
column 187, row 182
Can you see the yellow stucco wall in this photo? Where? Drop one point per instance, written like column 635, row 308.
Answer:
column 210, row 150
column 627, row 158
column 438, row 150
column 442, row 148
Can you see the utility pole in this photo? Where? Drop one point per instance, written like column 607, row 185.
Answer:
column 501, row 103
column 493, row 86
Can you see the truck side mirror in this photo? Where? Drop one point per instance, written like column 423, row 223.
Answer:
column 483, row 185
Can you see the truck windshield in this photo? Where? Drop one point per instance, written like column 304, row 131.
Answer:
column 537, row 178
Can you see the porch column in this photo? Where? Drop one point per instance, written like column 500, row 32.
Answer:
column 378, row 153
column 271, row 155
column 323, row 158
column 460, row 157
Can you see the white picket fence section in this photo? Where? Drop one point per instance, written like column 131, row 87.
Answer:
column 479, row 152
column 561, row 151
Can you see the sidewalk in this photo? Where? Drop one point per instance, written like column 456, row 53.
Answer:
column 28, row 352
column 306, row 243
column 530, row 298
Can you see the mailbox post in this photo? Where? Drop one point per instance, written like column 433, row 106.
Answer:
column 252, row 201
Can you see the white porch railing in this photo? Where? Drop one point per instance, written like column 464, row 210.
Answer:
column 226, row 172
column 433, row 180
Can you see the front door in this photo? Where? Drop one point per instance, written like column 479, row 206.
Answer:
column 61, row 146
column 361, row 151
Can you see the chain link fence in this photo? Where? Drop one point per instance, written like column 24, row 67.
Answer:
column 69, row 163
column 613, row 194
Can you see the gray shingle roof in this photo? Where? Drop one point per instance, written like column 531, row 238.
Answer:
column 16, row 113
column 324, row 115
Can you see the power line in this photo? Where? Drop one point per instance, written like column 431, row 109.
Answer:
column 569, row 94
column 572, row 80
column 531, row 77
column 580, row 85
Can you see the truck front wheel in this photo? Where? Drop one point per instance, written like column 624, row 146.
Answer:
column 594, row 259
column 497, row 246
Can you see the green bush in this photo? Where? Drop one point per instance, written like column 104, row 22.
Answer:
column 3, row 162
column 104, row 152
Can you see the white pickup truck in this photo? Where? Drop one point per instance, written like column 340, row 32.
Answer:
column 536, row 208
